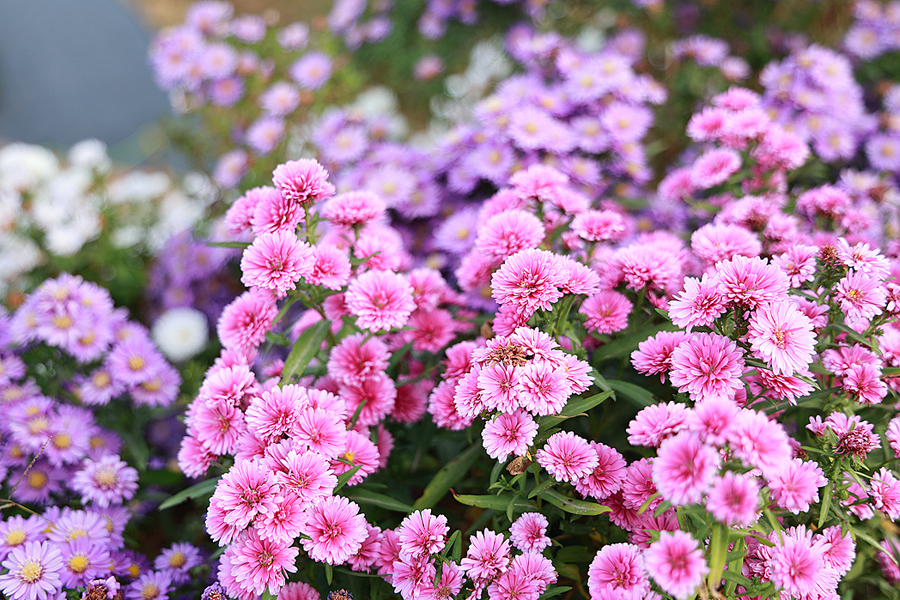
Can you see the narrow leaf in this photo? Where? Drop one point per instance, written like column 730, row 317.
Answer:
column 239, row 245
column 364, row 496
column 541, row 487
column 626, row 344
column 195, row 491
column 574, row 408
column 495, row 502
column 570, row 505
column 305, row 349
column 826, row 504
column 636, row 394
column 448, row 476
column 555, row 591
column 344, row 477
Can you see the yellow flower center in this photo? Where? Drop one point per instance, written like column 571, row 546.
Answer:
column 106, row 476
column 101, row 379
column 76, row 533
column 177, row 560
column 63, row 321
column 14, row 537
column 37, row 480
column 62, row 440
column 78, row 563
column 136, row 363
column 150, row 591
column 31, row 571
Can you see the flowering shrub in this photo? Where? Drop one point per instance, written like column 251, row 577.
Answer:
column 79, row 382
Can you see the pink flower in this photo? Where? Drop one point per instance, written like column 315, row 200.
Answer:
column 707, row 365
column 528, row 533
column 734, row 499
column 380, row 300
column 606, row 478
column 422, row 534
column 783, row 337
column 618, row 571
column 335, row 530
column 258, row 564
column 599, row 225
column 715, row 167
column 320, row 430
column 722, row 241
column 528, row 280
column 606, row 312
column 377, row 395
column 509, row 433
column 796, row 486
column 274, row 414
column 751, row 282
column 700, row 304
column 884, row 490
column 357, row 357
column 760, row 442
column 245, row 491
column 305, row 475
column 798, row 262
column 656, row 423
column 861, row 296
column 567, row 457
column 654, row 355
column 487, row 557
column 331, row 267
column 676, row 563
column 797, row 566
column 244, row 322
column 684, row 468
column 864, row 383
column 303, row 181
column 276, row 261
column 545, row 387
column 106, row 482
column 353, row 208
column 638, row 486
column 273, row 212
column 712, row 419
column 509, row 232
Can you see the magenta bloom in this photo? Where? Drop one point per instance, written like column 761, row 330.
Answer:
column 797, row 565
column 381, row 300
column 684, row 468
column 783, row 337
column 487, row 557
column 734, row 499
column 259, row 564
column 245, row 491
column 244, row 323
column 759, row 442
column 618, row 571
column 656, row 423
column 700, row 304
column 529, row 280
column 861, row 296
column 422, row 534
column 707, row 366
column 654, row 355
column 567, row 457
column 676, row 563
column 885, row 492
column 606, row 478
column 606, row 312
column 715, row 167
column 510, row 433
column 353, row 208
column 303, row 181
column 751, row 282
column 528, row 533
column 509, row 232
column 797, row 485
column 335, row 529
column 33, row 572
column 276, row 261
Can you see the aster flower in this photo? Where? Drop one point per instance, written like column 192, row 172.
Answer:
column 797, row 485
column 509, row 433
column 259, row 564
column 700, row 304
column 676, row 563
column 33, row 572
column 303, row 181
column 567, row 457
column 606, row 478
column 751, row 282
column 733, row 499
column 618, row 570
column 487, row 556
column 105, row 482
column 422, row 534
column 381, row 300
column 707, row 366
column 276, row 261
column 528, row 280
column 783, row 337
column 684, row 468
column 335, row 530
column 528, row 533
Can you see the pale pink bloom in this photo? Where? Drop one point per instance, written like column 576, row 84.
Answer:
column 422, row 534
column 863, row 259
column 331, row 267
column 509, row 433
column 700, row 304
column 283, row 524
column 487, row 556
column 320, row 430
column 357, row 357
column 274, row 414
column 796, row 486
column 234, row 386
column 509, row 232
column 839, row 360
column 884, row 489
column 676, row 563
column 839, row 549
column 245, row 491
column 276, row 261
column 751, row 282
column 599, row 225
column 893, row 435
column 218, row 427
column 864, row 383
column 606, row 312
column 618, row 571
column 707, row 365
column 335, row 530
column 442, row 407
column 259, row 564
column 606, row 478
column 797, row 565
column 32, row 572
column 760, row 442
column 861, row 296
column 707, row 125
column 654, row 355
column 361, row 452
column 298, row 590
column 783, row 337
column 798, row 262
column 577, row 278
column 107, row 481
column 545, row 387
column 654, row 424
column 377, row 395
column 305, row 475
column 888, row 560
column 733, row 499
column 638, row 486
column 380, row 300
column 529, row 280
column 244, row 322
column 303, row 181
column 715, row 167
column 528, row 533
column 368, row 554
column 786, row 387
column 711, row 419
column 430, row 330
column 272, row 211
column 567, row 457
column 721, row 241
column 354, row 208
column 684, row 468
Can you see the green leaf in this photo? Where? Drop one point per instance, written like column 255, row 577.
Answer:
column 570, row 505
column 344, row 477
column 826, row 504
column 448, row 476
column 495, row 502
column 626, row 344
column 737, row 578
column 240, row 245
column 305, row 349
column 575, row 408
column 364, row 496
column 329, row 573
column 572, row 554
column 636, row 394
column 546, row 485
column 198, row 490
column 555, row 591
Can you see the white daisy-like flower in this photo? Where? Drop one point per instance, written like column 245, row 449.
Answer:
column 181, row 333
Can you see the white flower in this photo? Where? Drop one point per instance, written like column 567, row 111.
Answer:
column 24, row 166
column 181, row 333
column 90, row 154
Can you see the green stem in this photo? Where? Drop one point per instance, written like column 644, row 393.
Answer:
column 718, row 550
